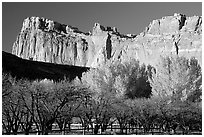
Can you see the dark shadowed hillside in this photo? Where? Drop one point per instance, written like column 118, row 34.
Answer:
column 21, row 68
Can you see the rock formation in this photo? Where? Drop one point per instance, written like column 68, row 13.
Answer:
column 44, row 40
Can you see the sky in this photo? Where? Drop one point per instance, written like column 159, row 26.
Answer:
column 127, row 17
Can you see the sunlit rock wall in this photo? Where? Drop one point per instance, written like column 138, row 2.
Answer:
column 44, row 40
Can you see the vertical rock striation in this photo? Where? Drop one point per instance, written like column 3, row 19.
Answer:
column 44, row 40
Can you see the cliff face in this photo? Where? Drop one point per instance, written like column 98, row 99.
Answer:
column 44, row 40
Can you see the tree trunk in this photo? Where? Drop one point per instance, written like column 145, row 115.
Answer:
column 84, row 129
column 47, row 128
column 64, row 128
column 46, row 132
column 104, row 127
column 61, row 129
column 37, row 131
column 27, row 128
column 96, row 129
column 37, row 128
column 27, row 131
column 15, row 132
column 43, row 130
column 69, row 126
column 15, row 129
column 146, row 128
column 60, row 125
column 8, row 131
column 88, row 127
column 168, row 127
column 129, row 127
column 92, row 126
column 121, row 128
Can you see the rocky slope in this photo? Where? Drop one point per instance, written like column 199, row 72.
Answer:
column 44, row 40
column 32, row 70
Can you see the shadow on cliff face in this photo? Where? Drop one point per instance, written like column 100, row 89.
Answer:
column 32, row 70
column 108, row 47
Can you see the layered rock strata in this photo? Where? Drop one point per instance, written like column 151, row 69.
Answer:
column 44, row 40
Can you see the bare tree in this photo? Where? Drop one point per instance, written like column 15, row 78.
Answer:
column 121, row 111
column 52, row 101
column 26, row 96
column 71, row 95
column 11, row 111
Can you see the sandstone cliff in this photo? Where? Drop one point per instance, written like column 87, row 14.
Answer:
column 44, row 40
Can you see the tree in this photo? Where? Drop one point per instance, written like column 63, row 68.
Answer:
column 74, row 94
column 11, row 109
column 165, row 112
column 176, row 84
column 121, row 111
column 111, row 83
column 85, row 111
column 176, row 77
column 133, row 77
column 38, row 103
column 26, row 96
column 18, row 109
column 7, row 82
column 143, row 113
column 100, row 83
column 189, row 116
column 50, row 100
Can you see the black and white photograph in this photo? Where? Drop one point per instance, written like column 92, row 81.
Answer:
column 101, row 68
